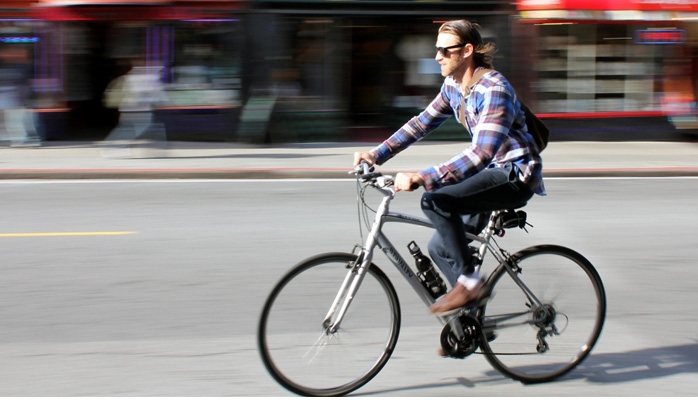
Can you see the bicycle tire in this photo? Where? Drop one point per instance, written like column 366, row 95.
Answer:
column 291, row 325
column 575, row 304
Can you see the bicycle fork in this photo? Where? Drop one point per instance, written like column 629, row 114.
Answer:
column 346, row 293
column 357, row 270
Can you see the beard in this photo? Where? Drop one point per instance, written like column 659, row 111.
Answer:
column 452, row 67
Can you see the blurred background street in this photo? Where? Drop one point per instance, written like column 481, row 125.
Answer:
column 272, row 71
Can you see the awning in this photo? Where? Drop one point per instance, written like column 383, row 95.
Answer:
column 99, row 2
column 422, row 8
column 16, row 9
column 130, row 10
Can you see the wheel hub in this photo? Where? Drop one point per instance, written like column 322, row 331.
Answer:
column 544, row 315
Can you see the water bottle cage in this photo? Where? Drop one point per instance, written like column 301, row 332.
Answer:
column 424, row 275
column 435, row 286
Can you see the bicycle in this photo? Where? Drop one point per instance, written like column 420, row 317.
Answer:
column 332, row 321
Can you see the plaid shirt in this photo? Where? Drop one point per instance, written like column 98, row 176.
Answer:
column 497, row 126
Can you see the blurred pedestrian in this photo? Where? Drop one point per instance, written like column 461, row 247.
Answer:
column 135, row 94
column 500, row 169
column 16, row 118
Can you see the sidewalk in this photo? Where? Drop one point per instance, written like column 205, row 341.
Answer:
column 188, row 160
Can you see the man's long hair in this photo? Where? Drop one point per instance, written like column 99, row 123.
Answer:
column 468, row 32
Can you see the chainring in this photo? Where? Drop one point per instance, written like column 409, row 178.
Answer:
column 471, row 338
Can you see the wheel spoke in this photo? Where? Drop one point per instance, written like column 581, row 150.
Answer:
column 316, row 348
column 334, row 363
column 564, row 324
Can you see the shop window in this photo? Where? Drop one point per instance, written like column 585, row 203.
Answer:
column 599, row 68
column 204, row 64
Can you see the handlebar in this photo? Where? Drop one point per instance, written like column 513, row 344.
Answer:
column 362, row 168
column 368, row 174
column 365, row 171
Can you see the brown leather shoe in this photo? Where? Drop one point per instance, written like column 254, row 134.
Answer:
column 456, row 298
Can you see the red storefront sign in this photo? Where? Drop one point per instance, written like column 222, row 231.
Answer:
column 609, row 5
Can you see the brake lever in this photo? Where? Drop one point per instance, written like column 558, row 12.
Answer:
column 387, row 180
column 362, row 169
column 370, row 176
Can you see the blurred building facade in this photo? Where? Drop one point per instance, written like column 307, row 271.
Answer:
column 356, row 69
column 79, row 47
column 618, row 57
column 322, row 70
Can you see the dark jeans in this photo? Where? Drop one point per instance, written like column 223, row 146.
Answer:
column 466, row 206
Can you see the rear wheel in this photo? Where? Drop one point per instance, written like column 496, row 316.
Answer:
column 295, row 343
column 538, row 342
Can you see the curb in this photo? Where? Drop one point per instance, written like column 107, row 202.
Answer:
column 174, row 173
column 621, row 172
column 294, row 173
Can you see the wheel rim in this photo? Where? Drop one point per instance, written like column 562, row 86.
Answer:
column 566, row 326
column 308, row 361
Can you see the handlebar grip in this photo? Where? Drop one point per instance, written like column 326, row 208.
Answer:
column 414, row 186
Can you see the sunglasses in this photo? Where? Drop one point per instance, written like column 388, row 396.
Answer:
column 445, row 50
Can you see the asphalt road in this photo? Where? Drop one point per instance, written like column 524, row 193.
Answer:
column 154, row 288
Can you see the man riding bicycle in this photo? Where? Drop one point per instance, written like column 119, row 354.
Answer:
column 501, row 168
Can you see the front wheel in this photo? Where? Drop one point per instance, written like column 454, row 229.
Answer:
column 539, row 335
column 295, row 343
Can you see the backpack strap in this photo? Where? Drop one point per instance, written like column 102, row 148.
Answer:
column 536, row 127
column 476, row 77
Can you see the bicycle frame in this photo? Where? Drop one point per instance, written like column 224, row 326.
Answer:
column 376, row 237
column 506, row 323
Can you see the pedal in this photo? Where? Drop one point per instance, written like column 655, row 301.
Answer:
column 449, row 313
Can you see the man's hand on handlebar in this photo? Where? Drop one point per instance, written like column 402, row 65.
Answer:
column 408, row 181
column 404, row 181
column 364, row 156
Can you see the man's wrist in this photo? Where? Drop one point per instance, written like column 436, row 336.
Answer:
column 376, row 155
column 426, row 176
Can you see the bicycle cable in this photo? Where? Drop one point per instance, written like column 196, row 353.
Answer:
column 362, row 207
column 359, row 199
column 366, row 208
